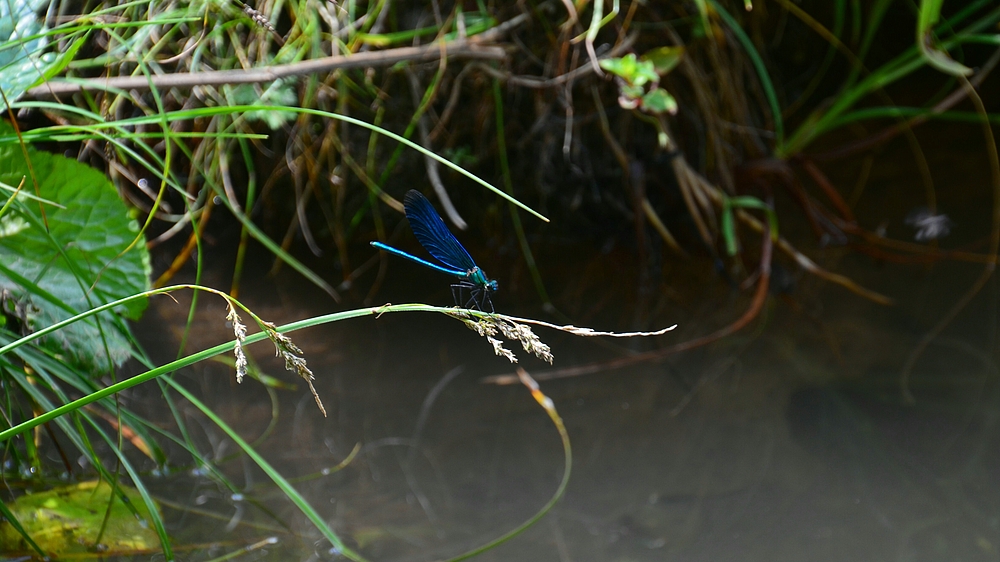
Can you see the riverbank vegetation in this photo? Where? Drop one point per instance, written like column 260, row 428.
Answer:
column 683, row 131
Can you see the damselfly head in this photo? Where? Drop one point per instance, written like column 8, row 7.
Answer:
column 492, row 285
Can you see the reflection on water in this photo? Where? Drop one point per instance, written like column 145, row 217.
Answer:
column 790, row 441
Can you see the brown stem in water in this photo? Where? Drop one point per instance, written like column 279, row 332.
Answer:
column 710, row 191
column 826, row 186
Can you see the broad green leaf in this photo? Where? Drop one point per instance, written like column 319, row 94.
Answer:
column 664, row 59
column 659, row 101
column 22, row 60
column 68, row 520
column 68, row 261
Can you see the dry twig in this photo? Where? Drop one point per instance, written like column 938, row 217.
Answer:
column 425, row 53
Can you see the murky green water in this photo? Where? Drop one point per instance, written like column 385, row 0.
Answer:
column 789, row 441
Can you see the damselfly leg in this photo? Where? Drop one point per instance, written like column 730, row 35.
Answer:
column 479, row 298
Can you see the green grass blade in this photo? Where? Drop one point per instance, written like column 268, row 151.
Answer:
column 55, row 412
column 273, row 474
column 550, row 409
column 9, row 517
column 207, row 112
column 762, row 74
column 529, row 257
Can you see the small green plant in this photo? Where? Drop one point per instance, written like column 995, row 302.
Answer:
column 639, row 79
column 727, row 226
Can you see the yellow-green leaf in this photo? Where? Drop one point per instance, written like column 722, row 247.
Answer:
column 664, row 59
column 67, row 520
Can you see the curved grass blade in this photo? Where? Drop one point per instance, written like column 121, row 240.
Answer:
column 207, row 112
column 273, row 474
column 80, row 439
column 550, row 409
column 522, row 239
column 100, row 125
column 930, row 13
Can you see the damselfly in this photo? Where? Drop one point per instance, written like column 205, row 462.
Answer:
column 435, row 237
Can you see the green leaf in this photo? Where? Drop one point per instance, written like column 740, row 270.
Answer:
column 631, row 92
column 623, row 67
column 728, row 228
column 71, row 259
column 645, row 74
column 750, row 202
column 631, row 69
column 659, row 101
column 69, row 520
column 22, row 60
column 279, row 93
column 727, row 225
column 664, row 59
column 59, row 64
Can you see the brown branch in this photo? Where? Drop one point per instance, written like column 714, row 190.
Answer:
column 425, row 53
column 541, row 83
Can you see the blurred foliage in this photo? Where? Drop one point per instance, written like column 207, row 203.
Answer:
column 24, row 57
